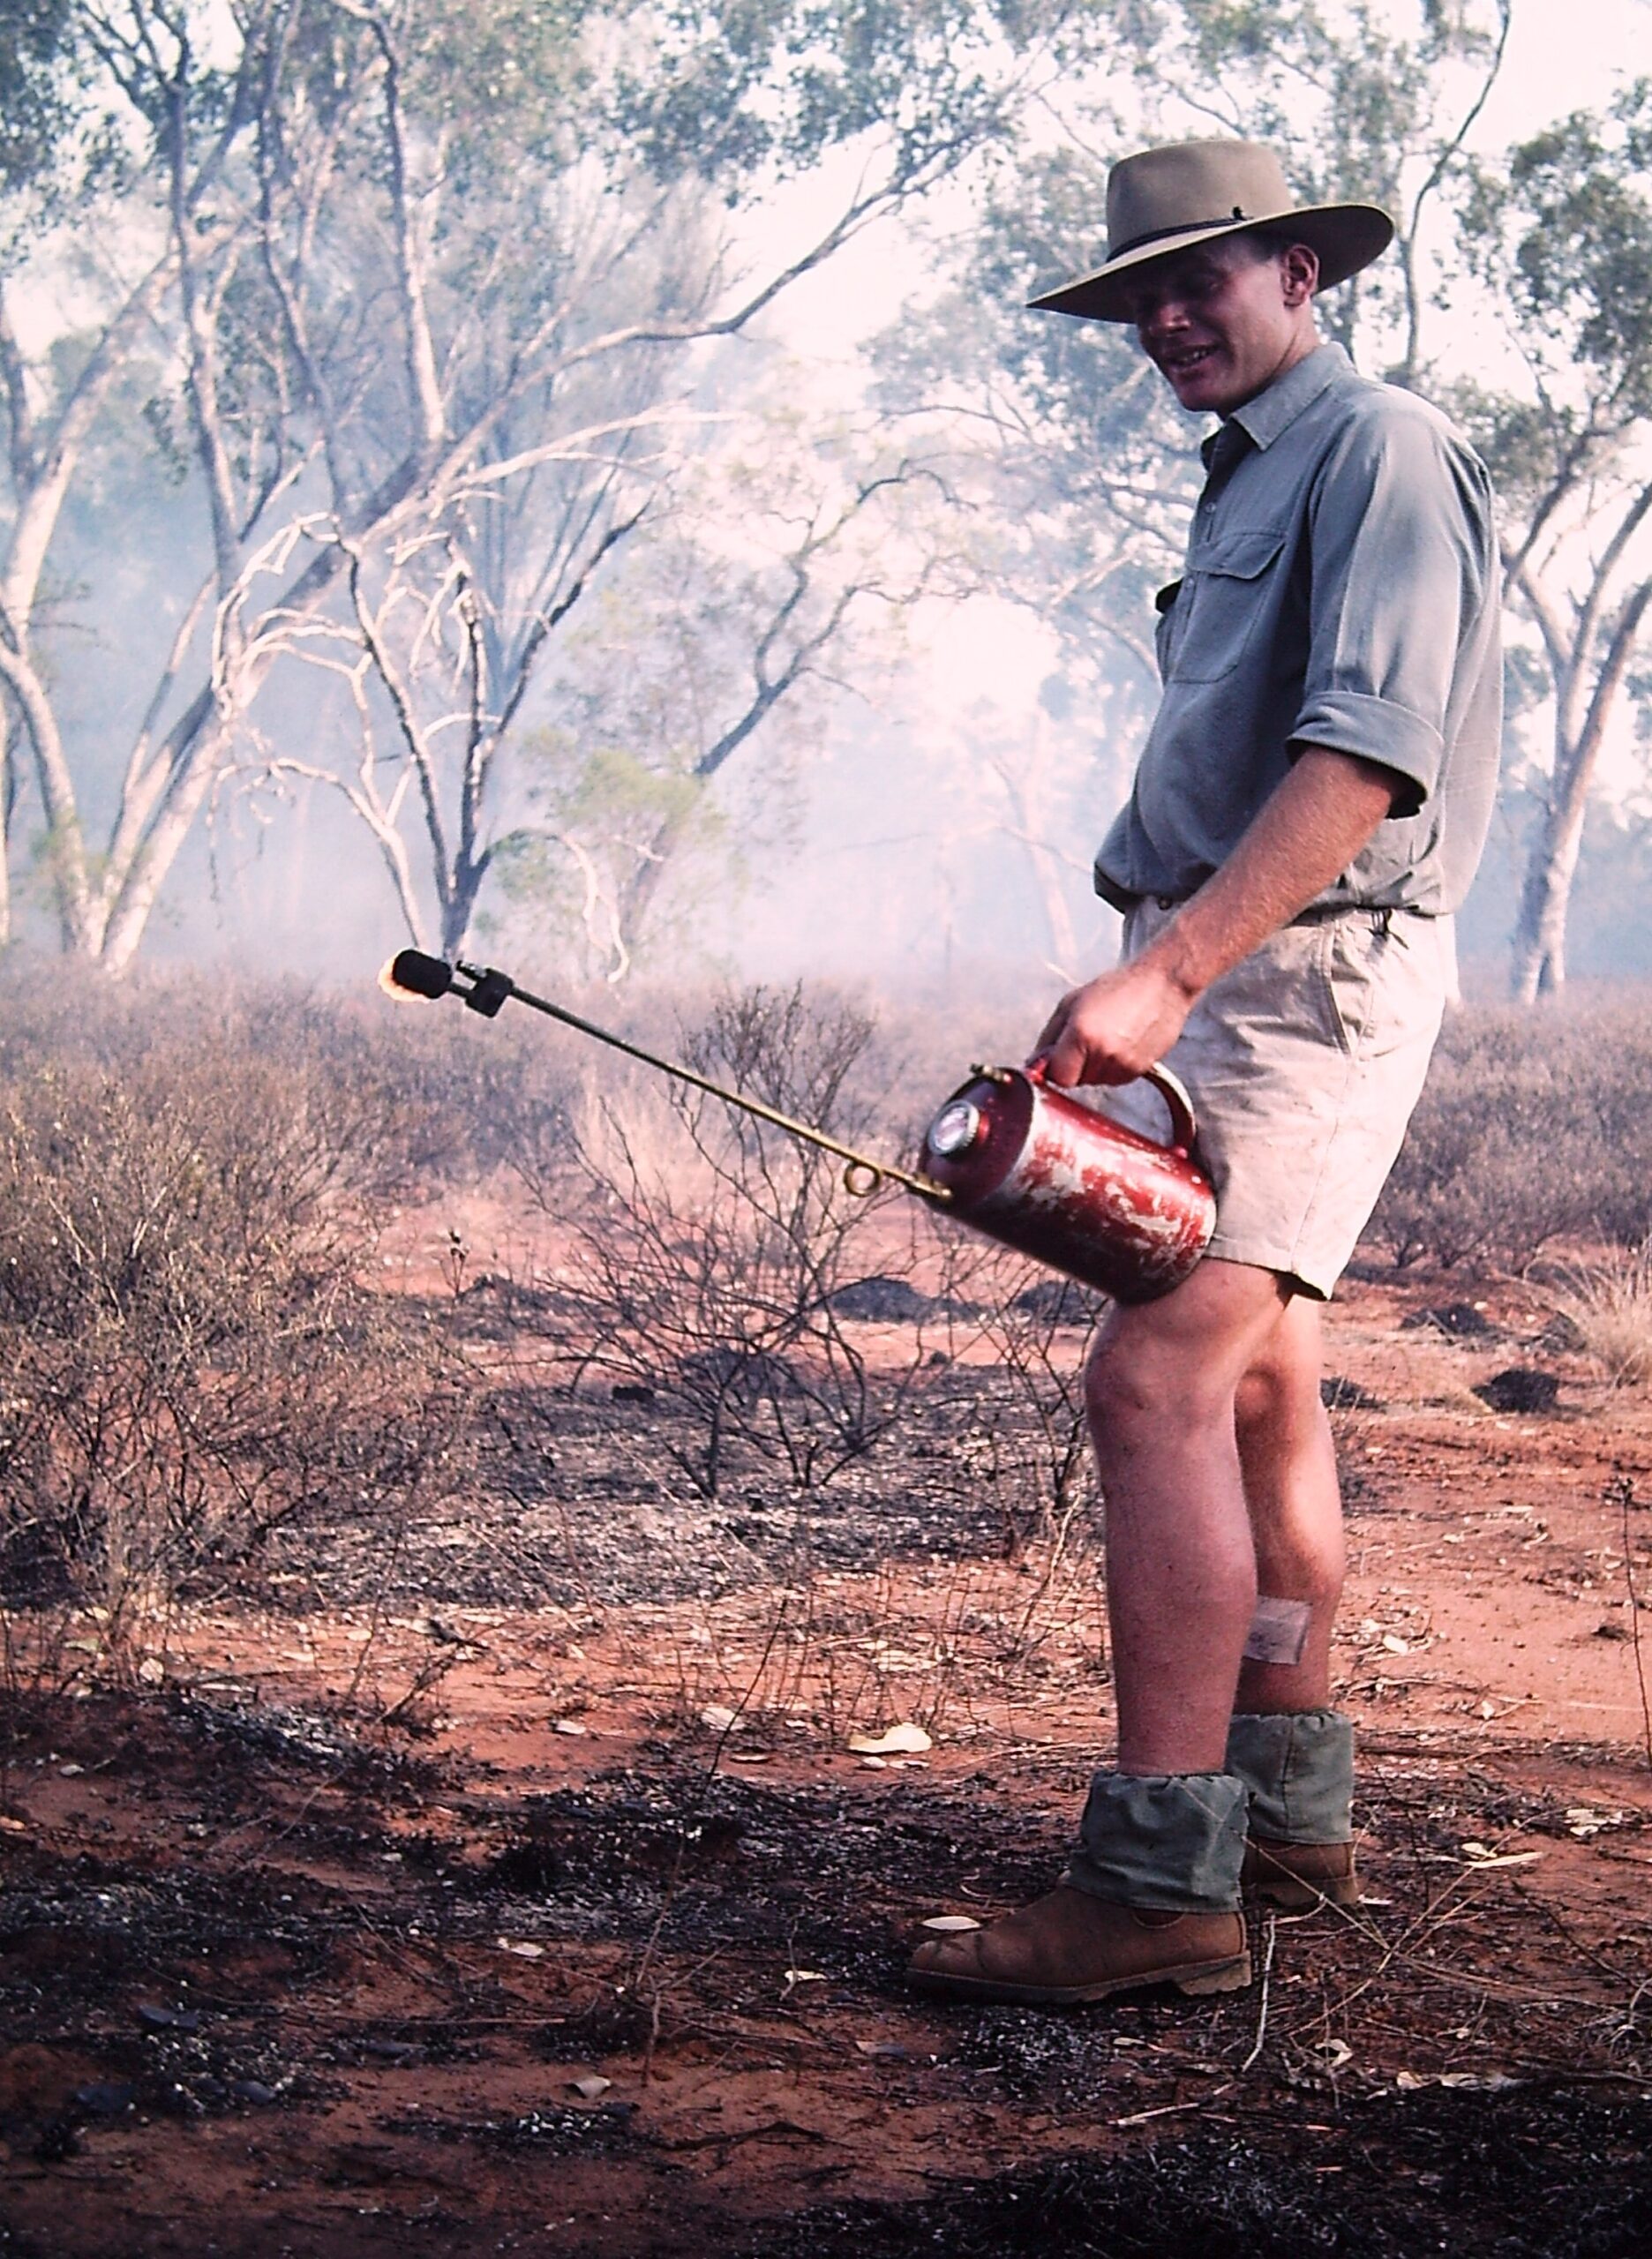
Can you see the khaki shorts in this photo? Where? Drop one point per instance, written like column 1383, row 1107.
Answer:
column 1303, row 1064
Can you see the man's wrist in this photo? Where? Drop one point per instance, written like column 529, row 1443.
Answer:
column 1175, row 954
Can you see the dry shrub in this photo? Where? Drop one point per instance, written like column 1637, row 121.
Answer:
column 193, row 1358
column 1610, row 1305
column 711, row 1248
column 1533, row 1127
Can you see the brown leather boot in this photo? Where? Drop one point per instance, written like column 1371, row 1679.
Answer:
column 1298, row 1877
column 1069, row 1946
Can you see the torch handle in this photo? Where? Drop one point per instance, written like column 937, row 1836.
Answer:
column 491, row 989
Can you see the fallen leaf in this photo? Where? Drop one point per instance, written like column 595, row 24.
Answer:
column 1581, row 1822
column 900, row 1741
column 806, row 1976
column 951, row 1922
column 521, row 1948
column 70, row 1771
column 874, row 1764
column 887, row 2050
column 1336, row 2052
column 13, row 1826
column 151, row 1671
column 748, row 1757
column 1479, row 1856
column 590, row 2086
column 1395, row 1644
column 718, row 1716
column 568, row 1725
column 1408, row 2081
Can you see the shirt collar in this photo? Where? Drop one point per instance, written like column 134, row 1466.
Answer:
column 1272, row 412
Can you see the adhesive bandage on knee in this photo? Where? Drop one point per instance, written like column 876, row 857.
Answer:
column 1279, row 1631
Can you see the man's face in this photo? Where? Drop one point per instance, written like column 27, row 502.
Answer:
column 1222, row 322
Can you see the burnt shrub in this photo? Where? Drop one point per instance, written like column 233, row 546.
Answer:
column 1533, row 1127
column 712, row 1254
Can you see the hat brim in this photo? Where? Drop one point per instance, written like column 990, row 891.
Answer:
column 1346, row 236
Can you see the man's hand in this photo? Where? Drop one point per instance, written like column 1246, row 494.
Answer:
column 1115, row 1026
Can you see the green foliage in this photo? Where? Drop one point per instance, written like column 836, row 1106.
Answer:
column 36, row 92
column 737, row 88
column 1563, row 234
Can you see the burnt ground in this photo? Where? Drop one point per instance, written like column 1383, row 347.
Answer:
column 513, row 1886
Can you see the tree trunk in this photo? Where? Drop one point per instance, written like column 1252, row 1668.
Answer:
column 135, row 891
column 1540, row 930
column 8, row 796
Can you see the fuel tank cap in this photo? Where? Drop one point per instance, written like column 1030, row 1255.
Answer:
column 956, row 1129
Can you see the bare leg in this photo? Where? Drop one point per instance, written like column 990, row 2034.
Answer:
column 1180, row 1560
column 1151, row 1895
column 1291, row 1486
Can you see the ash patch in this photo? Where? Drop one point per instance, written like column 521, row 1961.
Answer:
column 883, row 1301
column 1550, row 2176
column 1520, row 1388
column 1457, row 1321
column 1037, row 2056
column 583, row 1499
column 550, row 2132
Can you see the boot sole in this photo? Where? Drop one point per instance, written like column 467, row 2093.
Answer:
column 1232, row 1975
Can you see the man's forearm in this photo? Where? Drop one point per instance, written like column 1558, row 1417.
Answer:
column 1309, row 829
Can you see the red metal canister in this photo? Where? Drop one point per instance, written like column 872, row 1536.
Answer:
column 1031, row 1166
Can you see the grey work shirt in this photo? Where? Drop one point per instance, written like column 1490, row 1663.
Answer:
column 1340, row 590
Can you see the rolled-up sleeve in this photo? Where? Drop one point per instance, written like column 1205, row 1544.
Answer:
column 1401, row 554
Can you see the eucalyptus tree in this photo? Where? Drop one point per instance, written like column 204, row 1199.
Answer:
column 1561, row 235
column 417, row 287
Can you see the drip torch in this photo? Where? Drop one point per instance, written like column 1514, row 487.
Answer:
column 1027, row 1164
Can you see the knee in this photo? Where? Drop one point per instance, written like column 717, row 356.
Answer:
column 1276, row 1398
column 1261, row 1401
column 1130, row 1387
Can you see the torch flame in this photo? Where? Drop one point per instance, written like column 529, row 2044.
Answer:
column 392, row 987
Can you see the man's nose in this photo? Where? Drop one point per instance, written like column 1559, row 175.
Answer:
column 1162, row 319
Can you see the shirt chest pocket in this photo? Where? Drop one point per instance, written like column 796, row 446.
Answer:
column 1227, row 592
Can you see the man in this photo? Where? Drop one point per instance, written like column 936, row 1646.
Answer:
column 1306, row 816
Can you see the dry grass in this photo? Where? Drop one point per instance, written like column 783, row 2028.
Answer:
column 1610, row 1305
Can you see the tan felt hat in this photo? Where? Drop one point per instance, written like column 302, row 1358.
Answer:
column 1164, row 200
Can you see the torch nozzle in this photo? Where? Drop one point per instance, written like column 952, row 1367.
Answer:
column 411, row 974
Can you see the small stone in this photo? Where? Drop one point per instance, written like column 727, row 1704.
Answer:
column 155, row 2018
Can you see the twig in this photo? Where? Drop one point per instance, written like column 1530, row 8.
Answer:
column 1262, row 2006
column 1624, row 1485
column 1169, row 2109
column 684, row 1831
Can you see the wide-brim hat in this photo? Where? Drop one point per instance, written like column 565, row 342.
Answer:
column 1165, row 201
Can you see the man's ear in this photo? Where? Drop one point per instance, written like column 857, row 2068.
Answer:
column 1299, row 273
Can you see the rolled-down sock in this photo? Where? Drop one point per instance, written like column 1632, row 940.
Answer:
column 1298, row 1768
column 1165, row 1842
